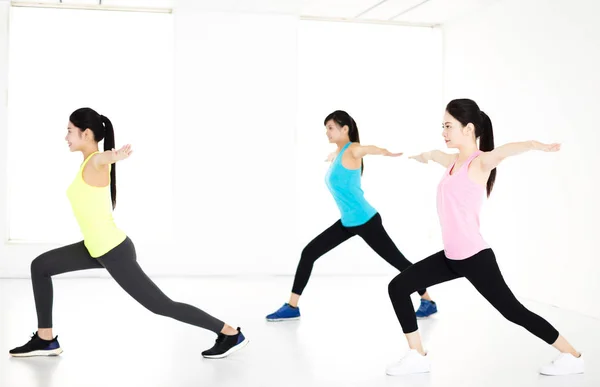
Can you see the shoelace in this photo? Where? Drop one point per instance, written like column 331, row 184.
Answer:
column 562, row 355
column 220, row 338
column 403, row 358
column 33, row 337
column 280, row 310
column 423, row 307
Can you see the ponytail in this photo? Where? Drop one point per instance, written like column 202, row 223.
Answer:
column 355, row 137
column 109, row 145
column 467, row 112
column 344, row 119
column 486, row 144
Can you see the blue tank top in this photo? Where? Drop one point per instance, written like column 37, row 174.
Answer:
column 344, row 185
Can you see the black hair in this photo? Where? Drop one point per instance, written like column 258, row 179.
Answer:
column 342, row 118
column 101, row 127
column 466, row 111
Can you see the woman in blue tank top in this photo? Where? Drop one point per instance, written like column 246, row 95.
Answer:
column 358, row 217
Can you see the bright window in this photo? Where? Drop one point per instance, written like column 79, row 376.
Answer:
column 121, row 65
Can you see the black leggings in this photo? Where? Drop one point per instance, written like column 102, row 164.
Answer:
column 121, row 264
column 371, row 232
column 483, row 272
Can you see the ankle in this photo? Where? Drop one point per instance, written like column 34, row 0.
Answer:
column 228, row 330
column 573, row 353
column 294, row 298
column 45, row 334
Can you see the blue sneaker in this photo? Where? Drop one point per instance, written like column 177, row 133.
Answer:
column 426, row 309
column 285, row 313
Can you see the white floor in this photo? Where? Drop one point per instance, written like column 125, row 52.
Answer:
column 347, row 335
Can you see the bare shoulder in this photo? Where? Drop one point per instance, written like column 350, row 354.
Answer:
column 449, row 159
column 95, row 162
column 480, row 159
column 477, row 171
column 353, row 149
column 95, row 174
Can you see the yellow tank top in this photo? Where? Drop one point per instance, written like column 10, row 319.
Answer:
column 92, row 207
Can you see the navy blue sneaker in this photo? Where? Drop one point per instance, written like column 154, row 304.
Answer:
column 426, row 309
column 285, row 313
column 38, row 347
column 226, row 345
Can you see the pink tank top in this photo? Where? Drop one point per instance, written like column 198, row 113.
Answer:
column 459, row 201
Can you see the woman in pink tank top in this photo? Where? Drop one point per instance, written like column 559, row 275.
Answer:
column 470, row 175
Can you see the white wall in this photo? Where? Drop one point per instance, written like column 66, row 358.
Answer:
column 252, row 93
column 4, row 12
column 234, row 166
column 533, row 67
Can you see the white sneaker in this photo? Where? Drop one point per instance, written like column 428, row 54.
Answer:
column 412, row 363
column 564, row 364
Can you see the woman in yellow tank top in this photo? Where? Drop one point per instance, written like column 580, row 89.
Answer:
column 93, row 197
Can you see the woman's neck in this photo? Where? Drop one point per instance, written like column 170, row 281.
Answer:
column 341, row 144
column 466, row 151
column 89, row 151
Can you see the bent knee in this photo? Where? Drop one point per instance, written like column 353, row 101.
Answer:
column 309, row 254
column 39, row 266
column 400, row 285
